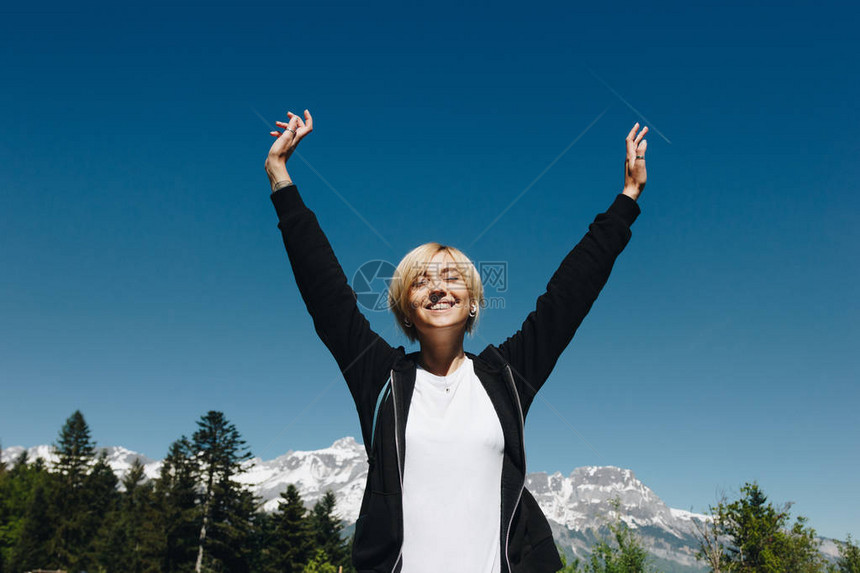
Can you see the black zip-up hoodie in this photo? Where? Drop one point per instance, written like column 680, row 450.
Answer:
column 381, row 378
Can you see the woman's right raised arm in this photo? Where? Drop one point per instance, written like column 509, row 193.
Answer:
column 362, row 355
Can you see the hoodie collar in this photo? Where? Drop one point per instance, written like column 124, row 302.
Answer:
column 409, row 361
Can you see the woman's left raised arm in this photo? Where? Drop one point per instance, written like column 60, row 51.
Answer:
column 533, row 351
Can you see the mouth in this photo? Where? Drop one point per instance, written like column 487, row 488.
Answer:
column 440, row 305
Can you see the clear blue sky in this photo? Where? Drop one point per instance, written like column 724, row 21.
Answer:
column 143, row 279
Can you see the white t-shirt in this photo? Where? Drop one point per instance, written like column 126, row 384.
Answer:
column 452, row 476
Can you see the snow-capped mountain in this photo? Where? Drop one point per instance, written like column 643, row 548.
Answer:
column 578, row 505
column 341, row 468
column 118, row 458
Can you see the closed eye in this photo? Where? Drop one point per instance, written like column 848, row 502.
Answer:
column 419, row 283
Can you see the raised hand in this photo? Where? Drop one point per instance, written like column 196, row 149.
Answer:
column 635, row 174
column 287, row 141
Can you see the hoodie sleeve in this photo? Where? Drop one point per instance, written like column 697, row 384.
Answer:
column 362, row 355
column 534, row 350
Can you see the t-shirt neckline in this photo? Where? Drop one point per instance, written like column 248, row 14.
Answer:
column 450, row 377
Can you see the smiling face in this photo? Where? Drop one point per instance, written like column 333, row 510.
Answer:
column 439, row 297
column 433, row 292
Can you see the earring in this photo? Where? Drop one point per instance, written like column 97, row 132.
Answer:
column 406, row 323
column 473, row 311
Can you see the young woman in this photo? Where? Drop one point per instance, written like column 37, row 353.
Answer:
column 443, row 428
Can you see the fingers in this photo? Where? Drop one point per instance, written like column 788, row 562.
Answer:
column 632, row 132
column 297, row 119
column 631, row 147
column 303, row 126
column 293, row 127
column 284, row 126
column 635, row 142
column 306, row 125
column 633, row 137
column 293, row 131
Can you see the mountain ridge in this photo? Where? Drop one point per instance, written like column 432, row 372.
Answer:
column 578, row 505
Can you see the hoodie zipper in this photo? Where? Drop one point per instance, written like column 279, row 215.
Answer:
column 397, row 451
column 523, row 453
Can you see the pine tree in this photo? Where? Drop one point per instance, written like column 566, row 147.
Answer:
column 133, row 533
column 261, row 540
column 227, row 507
column 24, row 494
column 327, row 530
column 74, row 528
column 753, row 524
column 100, row 501
column 754, row 537
column 231, row 535
column 75, row 450
column 100, row 488
column 292, row 541
column 143, row 522
column 32, row 547
column 176, row 499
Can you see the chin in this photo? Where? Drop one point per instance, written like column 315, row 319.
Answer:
column 461, row 324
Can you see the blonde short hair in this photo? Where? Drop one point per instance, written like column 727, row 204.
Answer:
column 414, row 264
